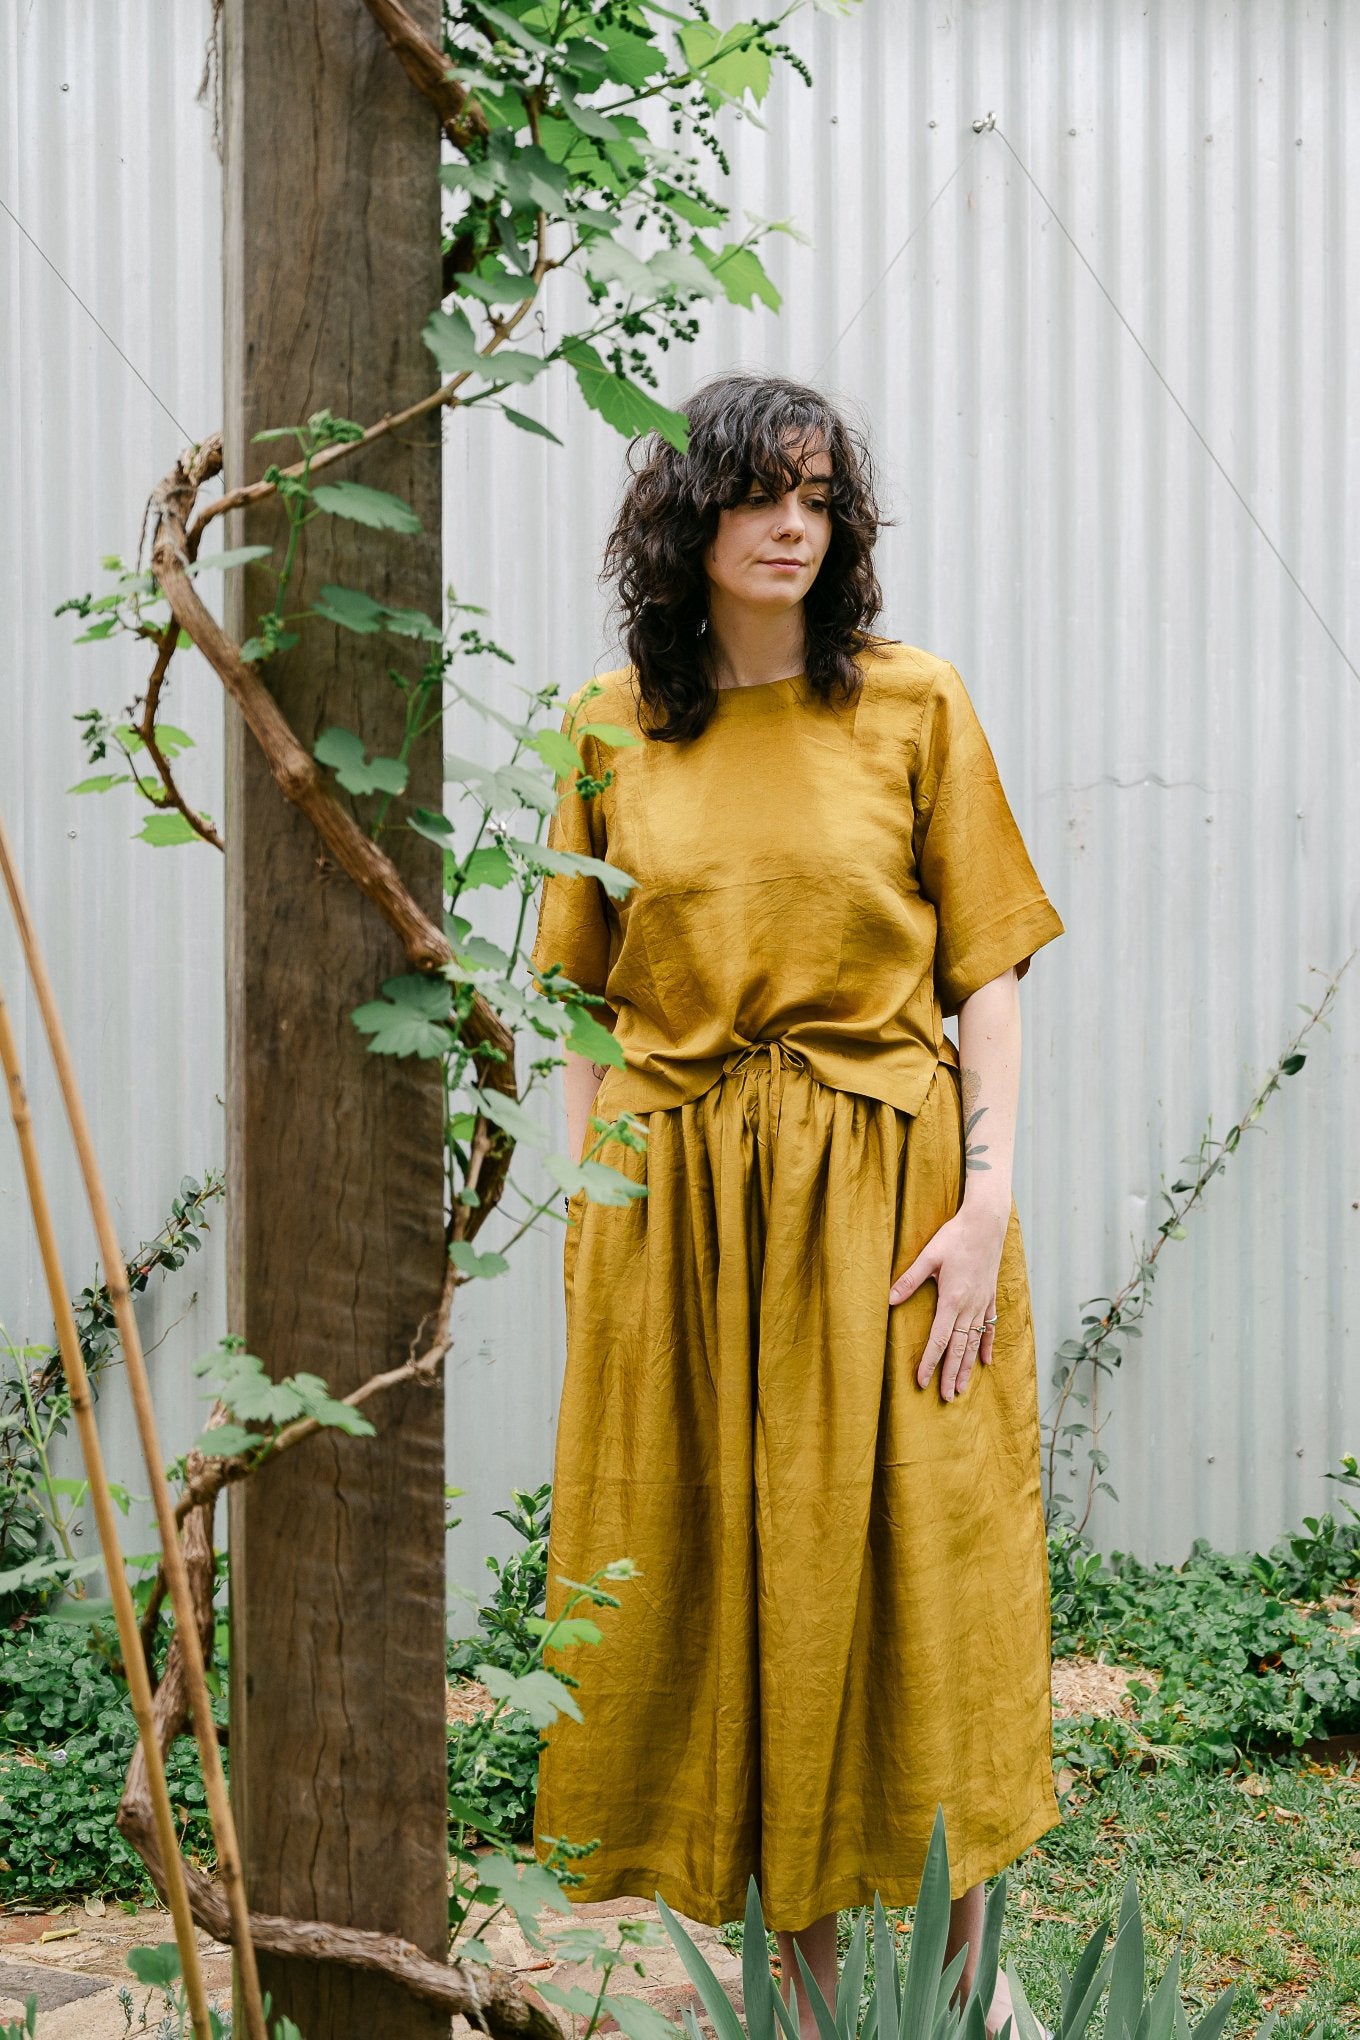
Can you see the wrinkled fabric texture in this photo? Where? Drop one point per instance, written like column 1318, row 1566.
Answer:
column 840, row 876
column 840, row 1618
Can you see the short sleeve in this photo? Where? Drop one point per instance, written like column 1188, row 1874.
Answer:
column 971, row 860
column 573, row 915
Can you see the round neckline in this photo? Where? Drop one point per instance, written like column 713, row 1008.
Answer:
column 758, row 687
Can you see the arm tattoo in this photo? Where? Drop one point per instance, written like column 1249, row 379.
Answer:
column 599, row 1069
column 973, row 1151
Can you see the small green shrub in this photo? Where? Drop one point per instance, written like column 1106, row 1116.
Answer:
column 1249, row 1656
column 493, row 1766
column 66, row 1740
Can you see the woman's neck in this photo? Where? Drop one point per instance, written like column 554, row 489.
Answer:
column 753, row 646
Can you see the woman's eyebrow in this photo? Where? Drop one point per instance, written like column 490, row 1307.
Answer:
column 804, row 482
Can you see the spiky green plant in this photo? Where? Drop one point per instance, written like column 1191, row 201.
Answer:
column 916, row 2000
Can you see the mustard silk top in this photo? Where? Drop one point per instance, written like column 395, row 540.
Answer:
column 841, row 876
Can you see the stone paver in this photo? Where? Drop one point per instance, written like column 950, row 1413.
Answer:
column 77, row 1978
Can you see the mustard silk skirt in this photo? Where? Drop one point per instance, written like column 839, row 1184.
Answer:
column 840, row 1618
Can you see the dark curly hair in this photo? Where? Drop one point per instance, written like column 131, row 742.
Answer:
column 742, row 429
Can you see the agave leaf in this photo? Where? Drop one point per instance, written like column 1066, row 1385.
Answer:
column 984, row 1978
column 788, row 2016
column 693, row 2031
column 1182, row 2024
column 713, row 1997
column 851, row 1985
column 929, row 1933
column 948, row 2015
column 974, row 2021
column 821, row 2010
column 1128, row 1971
column 1159, row 2018
column 1216, row 2018
column 1027, row 2027
column 757, row 1985
column 887, row 2005
column 1084, row 1986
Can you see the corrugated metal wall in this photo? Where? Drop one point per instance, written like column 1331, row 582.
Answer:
column 1100, row 347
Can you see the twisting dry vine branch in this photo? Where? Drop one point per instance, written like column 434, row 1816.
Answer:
column 489, row 1998
column 1111, row 1319
column 145, row 726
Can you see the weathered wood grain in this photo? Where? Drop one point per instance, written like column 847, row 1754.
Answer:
column 335, row 1225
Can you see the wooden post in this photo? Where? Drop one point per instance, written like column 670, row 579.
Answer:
column 335, row 1227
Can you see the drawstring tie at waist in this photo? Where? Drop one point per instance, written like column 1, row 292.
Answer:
column 776, row 1056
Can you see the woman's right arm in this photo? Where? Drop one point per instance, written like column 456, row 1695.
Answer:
column 581, row 1080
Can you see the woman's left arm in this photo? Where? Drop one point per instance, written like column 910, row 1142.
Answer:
column 963, row 1257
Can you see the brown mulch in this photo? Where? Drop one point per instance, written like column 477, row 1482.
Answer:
column 1080, row 1686
column 1089, row 1686
column 464, row 1700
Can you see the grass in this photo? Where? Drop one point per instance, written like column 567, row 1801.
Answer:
column 1260, row 1872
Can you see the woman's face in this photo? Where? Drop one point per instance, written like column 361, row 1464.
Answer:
column 766, row 553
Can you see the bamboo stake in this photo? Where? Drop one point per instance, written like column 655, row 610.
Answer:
column 172, row 1555
column 125, row 1615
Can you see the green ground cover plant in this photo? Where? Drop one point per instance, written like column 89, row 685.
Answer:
column 1255, row 1653
column 66, row 1739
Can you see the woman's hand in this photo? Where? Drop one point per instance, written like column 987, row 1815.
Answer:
column 962, row 1258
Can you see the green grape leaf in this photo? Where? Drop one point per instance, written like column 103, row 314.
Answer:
column 509, row 1115
column 630, row 58
column 166, row 831
column 235, row 556
column 587, row 120
column 376, row 508
column 608, row 733
column 601, row 1183
column 527, row 424
column 538, row 1694
column 224, row 1440
column 473, row 178
column 590, row 1038
column 622, row 403
column 101, row 782
column 158, row 1966
column 410, row 1019
column 495, row 286
column 731, row 64
column 468, row 1261
column 353, row 610
column 572, row 864
column 608, row 261
column 350, row 608
column 488, row 865
column 529, row 176
column 567, row 1632
column 741, row 275
column 173, row 741
column 557, row 750
column 343, row 751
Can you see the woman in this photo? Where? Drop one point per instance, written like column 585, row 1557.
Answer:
column 800, row 1387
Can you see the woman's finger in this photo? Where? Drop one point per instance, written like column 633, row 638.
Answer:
column 971, row 1352
column 937, row 1345
column 959, row 1364
column 989, row 1335
column 925, row 1265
